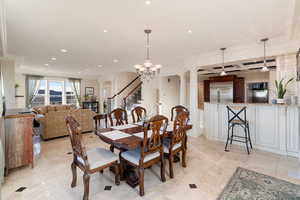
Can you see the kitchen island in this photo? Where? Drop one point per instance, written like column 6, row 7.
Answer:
column 274, row 128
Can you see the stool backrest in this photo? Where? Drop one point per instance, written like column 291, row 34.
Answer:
column 237, row 113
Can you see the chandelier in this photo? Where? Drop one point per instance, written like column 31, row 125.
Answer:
column 148, row 70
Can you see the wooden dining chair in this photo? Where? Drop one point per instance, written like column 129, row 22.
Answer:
column 176, row 110
column 138, row 113
column 177, row 141
column 150, row 152
column 95, row 160
column 120, row 117
column 98, row 119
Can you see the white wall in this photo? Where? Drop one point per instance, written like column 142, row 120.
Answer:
column 150, row 95
column 21, row 91
column 89, row 83
column 8, row 72
column 287, row 68
column 169, row 94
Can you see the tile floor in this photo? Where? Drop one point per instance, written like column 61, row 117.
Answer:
column 209, row 167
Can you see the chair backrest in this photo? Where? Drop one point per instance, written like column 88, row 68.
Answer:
column 237, row 113
column 76, row 139
column 157, row 124
column 138, row 112
column 98, row 118
column 177, row 109
column 179, row 128
column 119, row 115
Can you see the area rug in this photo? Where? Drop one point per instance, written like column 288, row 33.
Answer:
column 249, row 185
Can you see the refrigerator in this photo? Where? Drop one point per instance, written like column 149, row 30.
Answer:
column 221, row 92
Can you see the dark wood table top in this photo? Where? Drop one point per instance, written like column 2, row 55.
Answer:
column 130, row 142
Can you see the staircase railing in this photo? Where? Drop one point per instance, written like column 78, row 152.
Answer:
column 110, row 100
column 130, row 93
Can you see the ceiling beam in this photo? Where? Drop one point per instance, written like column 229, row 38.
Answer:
column 3, row 34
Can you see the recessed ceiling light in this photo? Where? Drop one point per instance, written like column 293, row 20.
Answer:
column 46, row 64
column 64, row 50
column 105, row 31
column 53, row 58
column 148, row 2
column 99, row 66
column 116, row 60
column 190, row 31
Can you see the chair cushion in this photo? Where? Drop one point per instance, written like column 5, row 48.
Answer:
column 99, row 157
column 167, row 146
column 134, row 156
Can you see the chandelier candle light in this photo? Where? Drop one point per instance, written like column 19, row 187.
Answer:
column 147, row 70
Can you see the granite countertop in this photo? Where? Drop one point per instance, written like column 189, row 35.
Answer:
column 262, row 104
column 19, row 112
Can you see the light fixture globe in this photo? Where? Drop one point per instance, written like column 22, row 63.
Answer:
column 223, row 73
column 147, row 70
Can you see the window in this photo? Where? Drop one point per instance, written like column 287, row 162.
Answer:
column 40, row 97
column 70, row 94
column 55, row 92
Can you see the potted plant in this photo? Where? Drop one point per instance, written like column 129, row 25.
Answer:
column 16, row 88
column 281, row 89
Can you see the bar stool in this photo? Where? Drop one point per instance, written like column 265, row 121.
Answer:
column 237, row 116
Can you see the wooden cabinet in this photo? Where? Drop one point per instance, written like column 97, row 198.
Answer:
column 238, row 87
column 92, row 105
column 206, row 91
column 239, row 90
column 18, row 139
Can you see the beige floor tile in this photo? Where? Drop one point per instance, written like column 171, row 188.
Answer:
column 208, row 166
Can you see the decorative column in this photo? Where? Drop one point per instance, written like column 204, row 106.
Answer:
column 182, row 89
column 194, row 114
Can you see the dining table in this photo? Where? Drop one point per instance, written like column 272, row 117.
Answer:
column 128, row 137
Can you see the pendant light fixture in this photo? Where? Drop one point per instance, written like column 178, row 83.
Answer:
column 223, row 73
column 265, row 68
column 147, row 70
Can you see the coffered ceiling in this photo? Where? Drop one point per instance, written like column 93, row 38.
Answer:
column 106, row 36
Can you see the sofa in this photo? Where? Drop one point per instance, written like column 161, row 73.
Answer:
column 52, row 119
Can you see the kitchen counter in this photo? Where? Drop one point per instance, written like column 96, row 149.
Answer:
column 258, row 104
column 273, row 127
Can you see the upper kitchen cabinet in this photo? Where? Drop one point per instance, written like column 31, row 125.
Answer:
column 230, row 89
column 239, row 90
